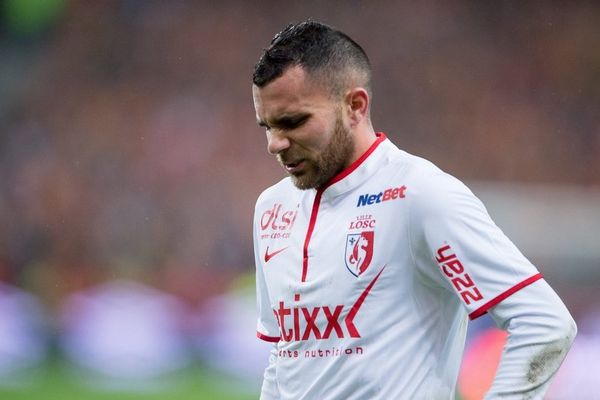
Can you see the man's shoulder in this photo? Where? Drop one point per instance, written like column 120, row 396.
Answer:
column 425, row 181
column 414, row 169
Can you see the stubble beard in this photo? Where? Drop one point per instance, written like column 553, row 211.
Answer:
column 331, row 161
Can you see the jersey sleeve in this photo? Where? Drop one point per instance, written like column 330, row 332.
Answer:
column 456, row 244
column 267, row 328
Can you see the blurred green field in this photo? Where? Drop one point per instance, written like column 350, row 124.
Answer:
column 55, row 382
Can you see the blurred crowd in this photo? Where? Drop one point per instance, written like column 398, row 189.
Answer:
column 128, row 143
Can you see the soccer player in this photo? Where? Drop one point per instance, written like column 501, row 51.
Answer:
column 370, row 260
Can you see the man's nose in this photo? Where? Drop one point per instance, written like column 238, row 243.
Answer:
column 277, row 142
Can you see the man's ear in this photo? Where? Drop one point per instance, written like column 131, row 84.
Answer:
column 357, row 105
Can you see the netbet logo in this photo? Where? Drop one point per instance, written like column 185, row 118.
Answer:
column 298, row 323
column 388, row 194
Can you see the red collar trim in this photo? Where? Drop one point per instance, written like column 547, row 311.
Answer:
column 380, row 138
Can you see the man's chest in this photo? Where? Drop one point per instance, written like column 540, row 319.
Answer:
column 316, row 251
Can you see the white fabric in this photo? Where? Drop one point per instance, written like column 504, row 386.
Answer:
column 398, row 255
column 540, row 332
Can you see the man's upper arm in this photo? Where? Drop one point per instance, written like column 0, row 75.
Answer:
column 457, row 238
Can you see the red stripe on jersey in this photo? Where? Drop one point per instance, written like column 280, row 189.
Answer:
column 315, row 208
column 484, row 308
column 356, row 306
column 309, row 232
column 271, row 339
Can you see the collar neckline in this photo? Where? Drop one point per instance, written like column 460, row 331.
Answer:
column 352, row 168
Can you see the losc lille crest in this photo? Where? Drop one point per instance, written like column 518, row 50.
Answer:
column 359, row 251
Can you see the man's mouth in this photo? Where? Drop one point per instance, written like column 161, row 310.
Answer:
column 294, row 167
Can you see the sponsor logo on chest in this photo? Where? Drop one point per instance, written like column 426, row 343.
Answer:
column 368, row 199
column 277, row 221
column 299, row 323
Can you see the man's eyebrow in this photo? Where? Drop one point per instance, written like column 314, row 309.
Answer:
column 285, row 120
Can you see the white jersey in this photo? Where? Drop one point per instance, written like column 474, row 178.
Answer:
column 366, row 285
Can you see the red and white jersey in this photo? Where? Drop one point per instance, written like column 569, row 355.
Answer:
column 366, row 284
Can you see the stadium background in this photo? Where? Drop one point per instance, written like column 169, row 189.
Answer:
column 130, row 161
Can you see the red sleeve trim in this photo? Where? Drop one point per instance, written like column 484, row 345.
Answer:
column 270, row 339
column 484, row 308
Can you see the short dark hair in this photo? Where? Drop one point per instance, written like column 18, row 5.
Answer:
column 325, row 53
